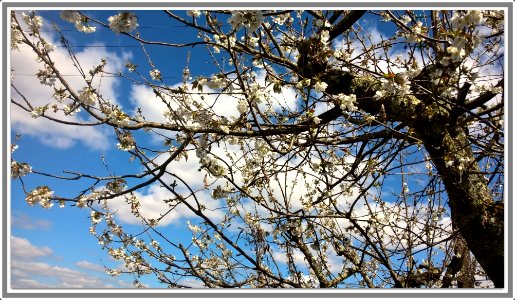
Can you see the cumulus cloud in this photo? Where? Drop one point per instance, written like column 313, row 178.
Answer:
column 53, row 276
column 22, row 248
column 24, row 65
column 28, row 271
column 84, row 264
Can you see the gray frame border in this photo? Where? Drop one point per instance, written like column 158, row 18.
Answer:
column 509, row 67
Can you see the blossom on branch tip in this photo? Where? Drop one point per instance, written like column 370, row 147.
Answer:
column 41, row 195
column 95, row 217
column 16, row 36
column 88, row 96
column 346, row 102
column 194, row 13
column 320, row 86
column 76, row 18
column 124, row 22
column 250, row 19
column 34, row 22
column 19, row 169
column 155, row 74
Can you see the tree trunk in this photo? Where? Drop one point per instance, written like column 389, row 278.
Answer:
column 474, row 213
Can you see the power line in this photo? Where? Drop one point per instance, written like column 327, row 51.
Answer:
column 78, row 75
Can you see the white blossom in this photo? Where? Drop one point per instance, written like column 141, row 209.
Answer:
column 250, row 19
column 242, row 106
column 456, row 53
column 324, row 36
column 127, row 142
column 342, row 54
column 193, row 13
column 19, row 169
column 37, row 112
column 88, row 96
column 76, row 18
column 123, row 22
column 71, row 16
column 16, row 36
column 378, row 95
column 474, row 17
column 346, row 102
column 320, row 86
column 34, row 22
column 225, row 129
column 95, row 217
column 85, row 28
column 155, row 74
column 41, row 195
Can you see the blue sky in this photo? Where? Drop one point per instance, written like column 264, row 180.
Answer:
column 61, row 247
column 60, row 237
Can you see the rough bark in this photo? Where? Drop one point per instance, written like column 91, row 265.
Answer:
column 474, row 213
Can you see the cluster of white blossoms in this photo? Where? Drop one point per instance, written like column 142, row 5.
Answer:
column 250, row 19
column 346, row 102
column 213, row 166
column 252, row 40
column 324, row 37
column 257, row 94
column 127, row 142
column 457, row 50
column 34, row 22
column 210, row 164
column 19, row 169
column 95, row 217
column 78, row 20
column 397, row 84
column 242, row 106
column 88, row 96
column 195, row 229
column 194, row 13
column 471, row 18
column 117, row 185
column 320, row 86
column 70, row 111
column 41, row 195
column 38, row 111
column 46, row 46
column 16, row 36
column 155, row 74
column 221, row 191
column 46, row 76
column 282, row 19
column 456, row 161
column 303, row 83
column 123, row 22
column 83, row 200
column 119, row 117
column 217, row 82
column 414, row 35
column 342, row 54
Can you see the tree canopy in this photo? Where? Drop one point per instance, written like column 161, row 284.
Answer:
column 330, row 149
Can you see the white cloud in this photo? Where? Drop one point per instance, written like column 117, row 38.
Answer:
column 57, row 135
column 152, row 207
column 84, row 264
column 28, row 272
column 22, row 248
column 54, row 276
